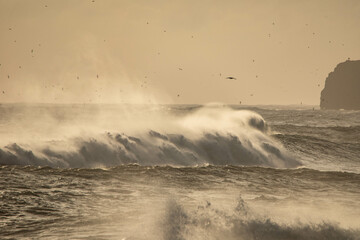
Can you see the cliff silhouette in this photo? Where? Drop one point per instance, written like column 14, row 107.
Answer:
column 342, row 87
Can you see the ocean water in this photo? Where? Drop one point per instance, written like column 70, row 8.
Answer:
column 178, row 172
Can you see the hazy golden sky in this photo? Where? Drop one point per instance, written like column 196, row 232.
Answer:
column 133, row 51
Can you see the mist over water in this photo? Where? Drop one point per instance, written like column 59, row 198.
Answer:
column 178, row 172
column 207, row 135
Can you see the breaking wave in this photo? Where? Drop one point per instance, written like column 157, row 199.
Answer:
column 207, row 222
column 207, row 136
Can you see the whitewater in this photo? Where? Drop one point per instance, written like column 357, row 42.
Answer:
column 97, row 171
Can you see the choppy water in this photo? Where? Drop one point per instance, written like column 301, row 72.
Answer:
column 178, row 172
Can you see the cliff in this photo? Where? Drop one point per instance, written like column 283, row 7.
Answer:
column 342, row 87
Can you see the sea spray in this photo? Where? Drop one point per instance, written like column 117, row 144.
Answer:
column 209, row 135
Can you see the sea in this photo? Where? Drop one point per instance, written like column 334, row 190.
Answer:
column 174, row 172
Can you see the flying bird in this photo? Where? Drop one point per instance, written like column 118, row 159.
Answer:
column 232, row 78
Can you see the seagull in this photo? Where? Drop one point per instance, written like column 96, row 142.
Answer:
column 232, row 78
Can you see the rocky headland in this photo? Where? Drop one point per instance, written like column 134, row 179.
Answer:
column 342, row 87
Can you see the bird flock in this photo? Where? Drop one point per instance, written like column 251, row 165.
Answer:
column 144, row 83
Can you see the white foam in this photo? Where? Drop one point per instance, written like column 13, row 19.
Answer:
column 211, row 135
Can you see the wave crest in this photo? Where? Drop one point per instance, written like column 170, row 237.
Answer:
column 207, row 136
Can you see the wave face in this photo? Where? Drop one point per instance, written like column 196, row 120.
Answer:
column 208, row 135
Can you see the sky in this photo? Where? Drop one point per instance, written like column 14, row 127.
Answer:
column 173, row 52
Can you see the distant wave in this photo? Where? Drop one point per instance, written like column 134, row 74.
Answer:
column 341, row 129
column 325, row 146
column 206, row 136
